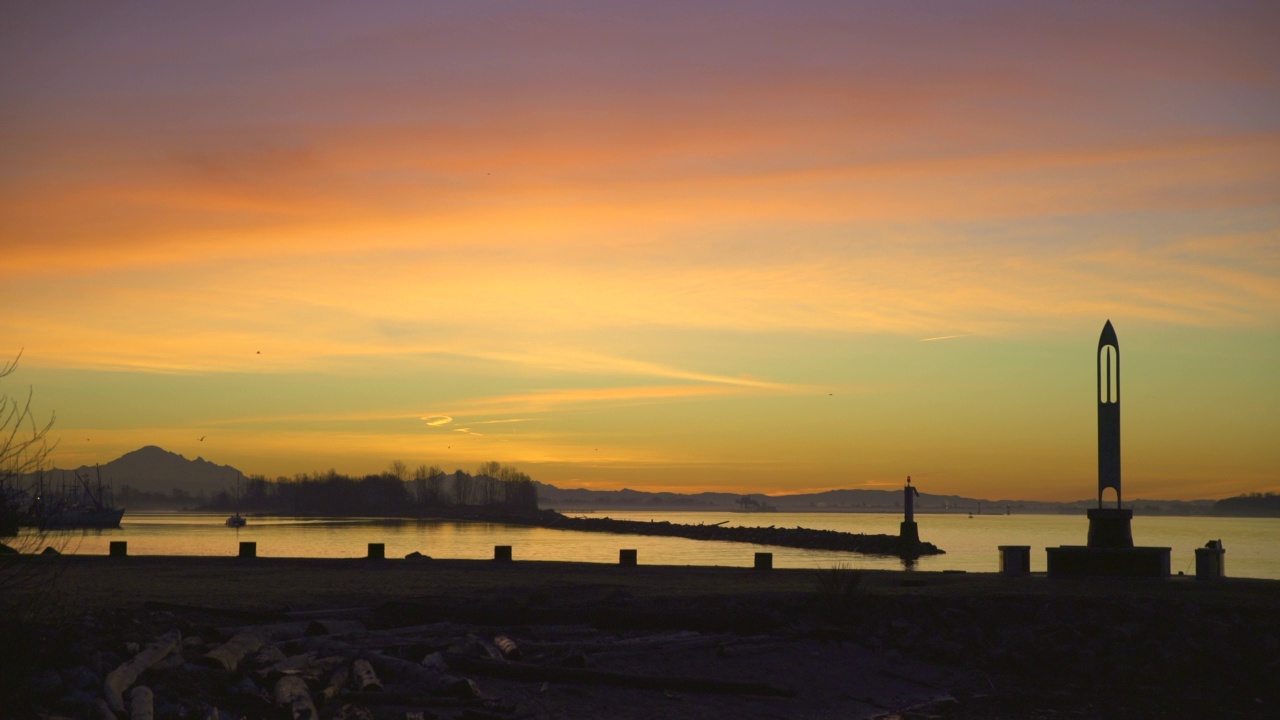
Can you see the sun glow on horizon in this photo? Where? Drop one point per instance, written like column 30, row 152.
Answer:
column 810, row 248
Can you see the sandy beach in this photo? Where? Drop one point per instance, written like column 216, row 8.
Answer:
column 748, row 643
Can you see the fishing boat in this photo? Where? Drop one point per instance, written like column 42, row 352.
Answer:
column 237, row 520
column 748, row 504
column 85, row 506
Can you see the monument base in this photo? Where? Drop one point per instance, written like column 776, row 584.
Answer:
column 909, row 533
column 1078, row 561
column 1109, row 528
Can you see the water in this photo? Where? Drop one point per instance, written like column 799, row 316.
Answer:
column 1252, row 544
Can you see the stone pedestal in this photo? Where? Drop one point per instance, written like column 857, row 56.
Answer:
column 764, row 561
column 502, row 553
column 1078, row 561
column 627, row 557
column 909, row 533
column 1109, row 528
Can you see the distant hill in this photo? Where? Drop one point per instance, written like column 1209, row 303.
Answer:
column 853, row 500
column 156, row 470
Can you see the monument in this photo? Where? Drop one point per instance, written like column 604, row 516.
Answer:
column 908, row 532
column 1110, row 549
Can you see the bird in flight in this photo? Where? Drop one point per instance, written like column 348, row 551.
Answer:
column 202, row 437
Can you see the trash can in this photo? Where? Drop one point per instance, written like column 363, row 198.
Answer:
column 1015, row 560
column 1211, row 561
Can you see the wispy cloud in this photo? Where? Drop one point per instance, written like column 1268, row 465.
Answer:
column 941, row 337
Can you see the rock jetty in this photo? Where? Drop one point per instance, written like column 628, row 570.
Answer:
column 796, row 537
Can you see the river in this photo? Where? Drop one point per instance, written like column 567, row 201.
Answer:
column 1252, row 544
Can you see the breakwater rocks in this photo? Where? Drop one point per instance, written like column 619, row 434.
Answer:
column 796, row 537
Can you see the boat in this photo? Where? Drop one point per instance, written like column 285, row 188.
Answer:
column 83, row 507
column 237, row 520
column 748, row 504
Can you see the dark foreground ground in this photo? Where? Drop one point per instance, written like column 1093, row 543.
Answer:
column 599, row 641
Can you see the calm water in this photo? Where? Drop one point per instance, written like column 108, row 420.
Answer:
column 1252, row 544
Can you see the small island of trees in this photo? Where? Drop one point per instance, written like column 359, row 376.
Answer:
column 1249, row 505
column 493, row 488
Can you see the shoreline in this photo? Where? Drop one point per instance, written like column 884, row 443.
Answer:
column 973, row 645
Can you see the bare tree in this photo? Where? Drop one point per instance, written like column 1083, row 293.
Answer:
column 25, row 584
column 420, row 494
column 23, row 450
column 399, row 470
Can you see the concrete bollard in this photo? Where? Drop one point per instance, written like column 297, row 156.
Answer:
column 119, row 548
column 764, row 561
column 1211, row 561
column 502, row 553
column 626, row 557
column 248, row 549
column 1015, row 560
column 377, row 551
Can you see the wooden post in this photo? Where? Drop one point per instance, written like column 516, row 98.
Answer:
column 764, row 561
column 119, row 548
column 377, row 551
column 502, row 553
column 627, row 557
column 248, row 549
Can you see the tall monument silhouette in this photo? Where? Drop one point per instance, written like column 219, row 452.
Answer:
column 1109, row 527
column 1110, row 549
column 1108, row 413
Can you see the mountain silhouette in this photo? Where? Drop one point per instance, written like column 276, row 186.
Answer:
column 154, row 469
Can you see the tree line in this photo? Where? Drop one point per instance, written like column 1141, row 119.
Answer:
column 1249, row 505
column 397, row 491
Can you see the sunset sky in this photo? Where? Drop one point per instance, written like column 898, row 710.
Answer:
column 739, row 246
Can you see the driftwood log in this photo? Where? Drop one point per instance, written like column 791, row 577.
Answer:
column 121, row 678
column 141, row 703
column 550, row 673
column 431, row 680
column 509, row 649
column 337, row 679
column 291, row 693
column 365, row 678
column 229, row 654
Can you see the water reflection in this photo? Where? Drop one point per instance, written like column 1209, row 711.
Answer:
column 970, row 544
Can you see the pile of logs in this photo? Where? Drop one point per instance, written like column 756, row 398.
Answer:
column 332, row 665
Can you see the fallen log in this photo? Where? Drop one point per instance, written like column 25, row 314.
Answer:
column 440, row 628
column 272, row 632
column 141, row 703
column 291, row 693
column 336, row 680
column 330, row 626
column 256, row 616
column 432, row 681
column 550, row 673
column 365, row 678
column 121, row 678
column 509, row 649
column 229, row 654
column 333, row 614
